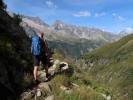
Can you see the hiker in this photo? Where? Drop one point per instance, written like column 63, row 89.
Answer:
column 40, row 52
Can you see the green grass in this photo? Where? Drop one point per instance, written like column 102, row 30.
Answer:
column 81, row 93
column 116, row 71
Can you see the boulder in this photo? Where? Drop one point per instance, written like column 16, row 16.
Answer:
column 38, row 93
column 108, row 97
column 56, row 62
column 28, row 95
column 42, row 75
column 45, row 85
column 50, row 97
column 66, row 89
column 63, row 65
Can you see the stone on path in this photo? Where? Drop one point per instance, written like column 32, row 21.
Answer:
column 38, row 93
column 44, row 85
column 42, row 75
column 50, row 97
column 56, row 62
column 27, row 95
column 67, row 90
column 64, row 65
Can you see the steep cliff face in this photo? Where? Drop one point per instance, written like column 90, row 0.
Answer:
column 15, row 56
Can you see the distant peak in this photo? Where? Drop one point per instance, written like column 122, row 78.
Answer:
column 36, row 20
column 125, row 32
column 58, row 24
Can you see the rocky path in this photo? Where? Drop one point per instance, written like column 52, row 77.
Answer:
column 44, row 87
column 43, row 91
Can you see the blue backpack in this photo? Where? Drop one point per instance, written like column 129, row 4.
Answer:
column 35, row 47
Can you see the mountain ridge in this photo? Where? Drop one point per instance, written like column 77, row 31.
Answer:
column 68, row 35
column 60, row 28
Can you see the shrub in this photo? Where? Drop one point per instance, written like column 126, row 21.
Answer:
column 2, row 5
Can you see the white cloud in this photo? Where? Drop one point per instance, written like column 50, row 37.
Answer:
column 100, row 14
column 120, row 18
column 129, row 30
column 50, row 4
column 82, row 14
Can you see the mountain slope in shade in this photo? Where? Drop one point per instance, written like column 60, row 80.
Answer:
column 15, row 57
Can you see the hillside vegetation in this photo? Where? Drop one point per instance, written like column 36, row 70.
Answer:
column 15, row 57
column 113, row 67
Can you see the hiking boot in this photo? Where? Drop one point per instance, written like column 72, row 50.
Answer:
column 36, row 82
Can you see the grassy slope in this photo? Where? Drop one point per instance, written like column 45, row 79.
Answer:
column 80, row 93
column 113, row 67
column 83, row 92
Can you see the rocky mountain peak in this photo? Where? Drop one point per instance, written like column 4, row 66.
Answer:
column 125, row 32
column 37, row 20
column 58, row 25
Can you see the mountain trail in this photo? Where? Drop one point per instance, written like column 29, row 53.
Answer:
column 43, row 90
column 44, row 87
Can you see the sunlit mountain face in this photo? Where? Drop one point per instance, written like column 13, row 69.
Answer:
column 69, row 39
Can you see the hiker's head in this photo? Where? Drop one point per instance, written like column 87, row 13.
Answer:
column 40, row 34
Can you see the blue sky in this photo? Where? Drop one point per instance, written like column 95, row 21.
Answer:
column 109, row 15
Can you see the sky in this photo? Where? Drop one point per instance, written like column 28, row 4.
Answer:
column 109, row 15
